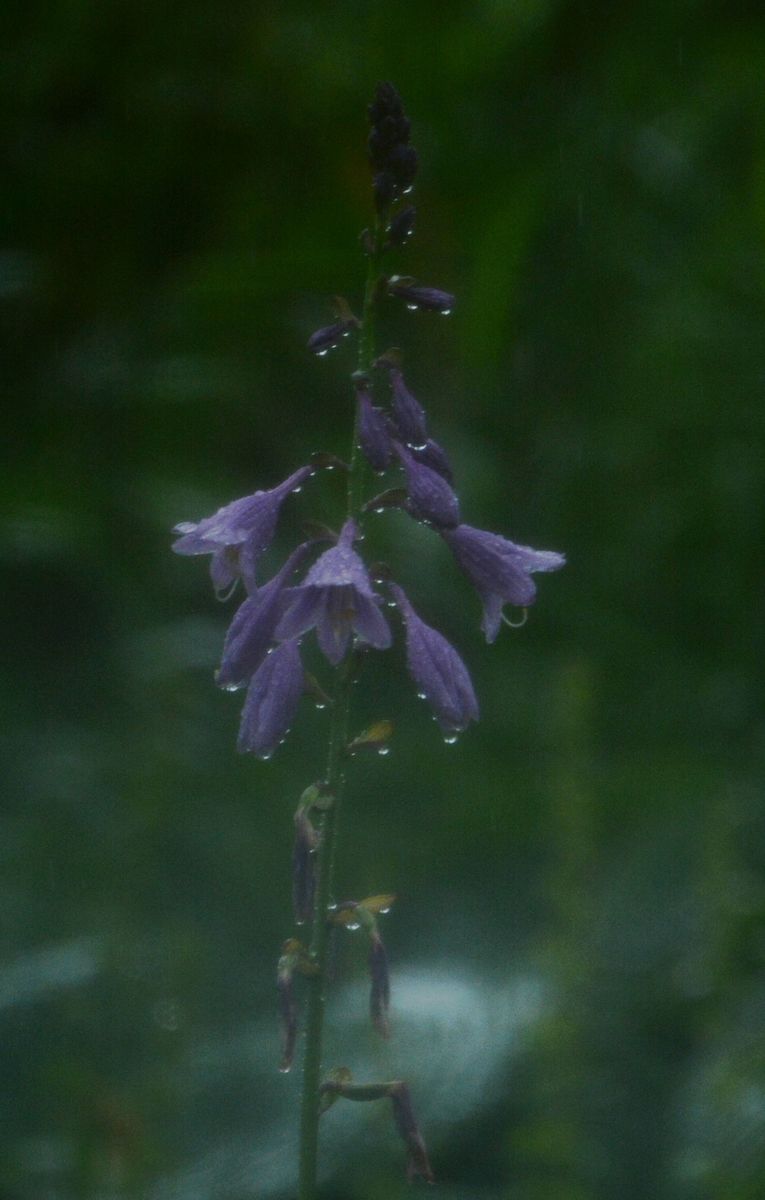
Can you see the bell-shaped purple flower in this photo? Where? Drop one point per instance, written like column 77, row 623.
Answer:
column 438, row 671
column 374, row 438
column 499, row 569
column 430, row 496
column 272, row 699
column 336, row 598
column 237, row 534
column 252, row 630
column 408, row 413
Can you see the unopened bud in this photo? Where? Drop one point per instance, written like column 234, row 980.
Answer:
column 401, row 227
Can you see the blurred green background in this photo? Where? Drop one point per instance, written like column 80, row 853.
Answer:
column 579, row 941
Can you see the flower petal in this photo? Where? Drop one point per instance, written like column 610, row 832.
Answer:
column 272, row 700
column 370, row 624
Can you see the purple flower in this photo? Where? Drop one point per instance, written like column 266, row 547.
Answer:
column 336, row 598
column 272, row 700
column 434, row 456
column 428, row 298
column 237, row 534
column 430, row 496
column 401, row 227
column 252, row 630
column 438, row 671
column 374, row 438
column 408, row 413
column 499, row 569
column 325, row 339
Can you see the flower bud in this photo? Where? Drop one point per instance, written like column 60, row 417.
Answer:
column 427, row 298
column 401, row 227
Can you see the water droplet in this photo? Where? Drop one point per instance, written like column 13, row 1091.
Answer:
column 284, row 1068
column 296, row 490
column 417, row 445
column 412, row 307
column 450, row 739
column 300, row 920
column 380, row 509
column 320, row 704
column 385, row 910
column 383, row 751
column 353, row 925
column 266, row 756
column 330, row 467
column 322, row 353
column 446, row 312
column 390, row 603
column 233, row 687
column 407, row 190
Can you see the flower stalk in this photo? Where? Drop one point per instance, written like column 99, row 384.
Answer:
column 341, row 598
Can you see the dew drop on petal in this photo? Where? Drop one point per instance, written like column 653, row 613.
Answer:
column 450, row 739
column 296, row 490
column 353, row 925
column 284, row 1069
column 421, row 696
column 383, row 751
column 233, row 687
column 412, row 307
column 322, row 353
column 446, row 312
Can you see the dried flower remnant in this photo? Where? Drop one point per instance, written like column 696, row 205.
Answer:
column 418, row 1164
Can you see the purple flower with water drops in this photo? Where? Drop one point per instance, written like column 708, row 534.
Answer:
column 429, row 299
column 336, row 598
column 374, row 438
column 439, row 673
column 237, row 534
column 408, row 413
column 430, row 496
column 251, row 632
column 401, row 227
column 434, row 456
column 272, row 699
column 500, row 570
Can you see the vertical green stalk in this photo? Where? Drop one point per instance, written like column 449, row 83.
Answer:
column 335, row 781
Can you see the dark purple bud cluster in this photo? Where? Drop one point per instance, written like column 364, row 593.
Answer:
column 394, row 162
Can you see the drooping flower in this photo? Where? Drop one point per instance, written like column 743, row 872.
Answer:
column 499, row 569
column 430, row 496
column 336, row 598
column 434, row 456
column 401, row 227
column 237, row 534
column 285, row 991
column 325, row 339
column 439, row 673
column 429, row 299
column 272, row 699
column 374, row 438
column 408, row 413
column 252, row 630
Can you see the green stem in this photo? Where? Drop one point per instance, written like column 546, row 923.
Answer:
column 335, row 782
